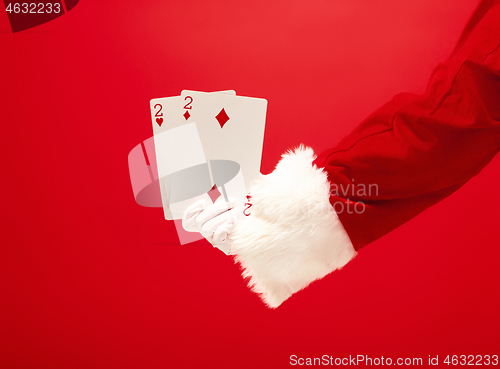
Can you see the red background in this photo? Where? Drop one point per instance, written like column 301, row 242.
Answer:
column 89, row 279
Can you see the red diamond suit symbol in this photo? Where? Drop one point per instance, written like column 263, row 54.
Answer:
column 214, row 193
column 222, row 118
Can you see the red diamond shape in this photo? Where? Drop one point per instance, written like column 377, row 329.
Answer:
column 222, row 118
column 214, row 193
column 187, row 115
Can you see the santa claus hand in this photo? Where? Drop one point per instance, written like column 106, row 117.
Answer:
column 214, row 221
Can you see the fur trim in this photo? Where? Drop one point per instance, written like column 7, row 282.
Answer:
column 292, row 236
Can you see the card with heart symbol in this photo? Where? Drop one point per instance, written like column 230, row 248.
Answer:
column 164, row 117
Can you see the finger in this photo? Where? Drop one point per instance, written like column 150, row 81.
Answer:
column 221, row 232
column 209, row 227
column 190, row 215
column 212, row 211
column 220, row 239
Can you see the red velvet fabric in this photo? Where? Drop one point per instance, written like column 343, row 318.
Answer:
column 417, row 150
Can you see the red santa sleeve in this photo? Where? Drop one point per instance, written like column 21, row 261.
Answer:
column 310, row 215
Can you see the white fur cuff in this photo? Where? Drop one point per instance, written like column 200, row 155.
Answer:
column 293, row 235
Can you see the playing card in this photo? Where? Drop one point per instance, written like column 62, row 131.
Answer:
column 231, row 129
column 164, row 117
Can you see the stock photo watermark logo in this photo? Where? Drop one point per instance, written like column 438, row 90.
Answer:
column 25, row 15
column 313, row 202
column 354, row 193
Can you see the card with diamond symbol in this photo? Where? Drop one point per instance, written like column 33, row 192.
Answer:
column 230, row 127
